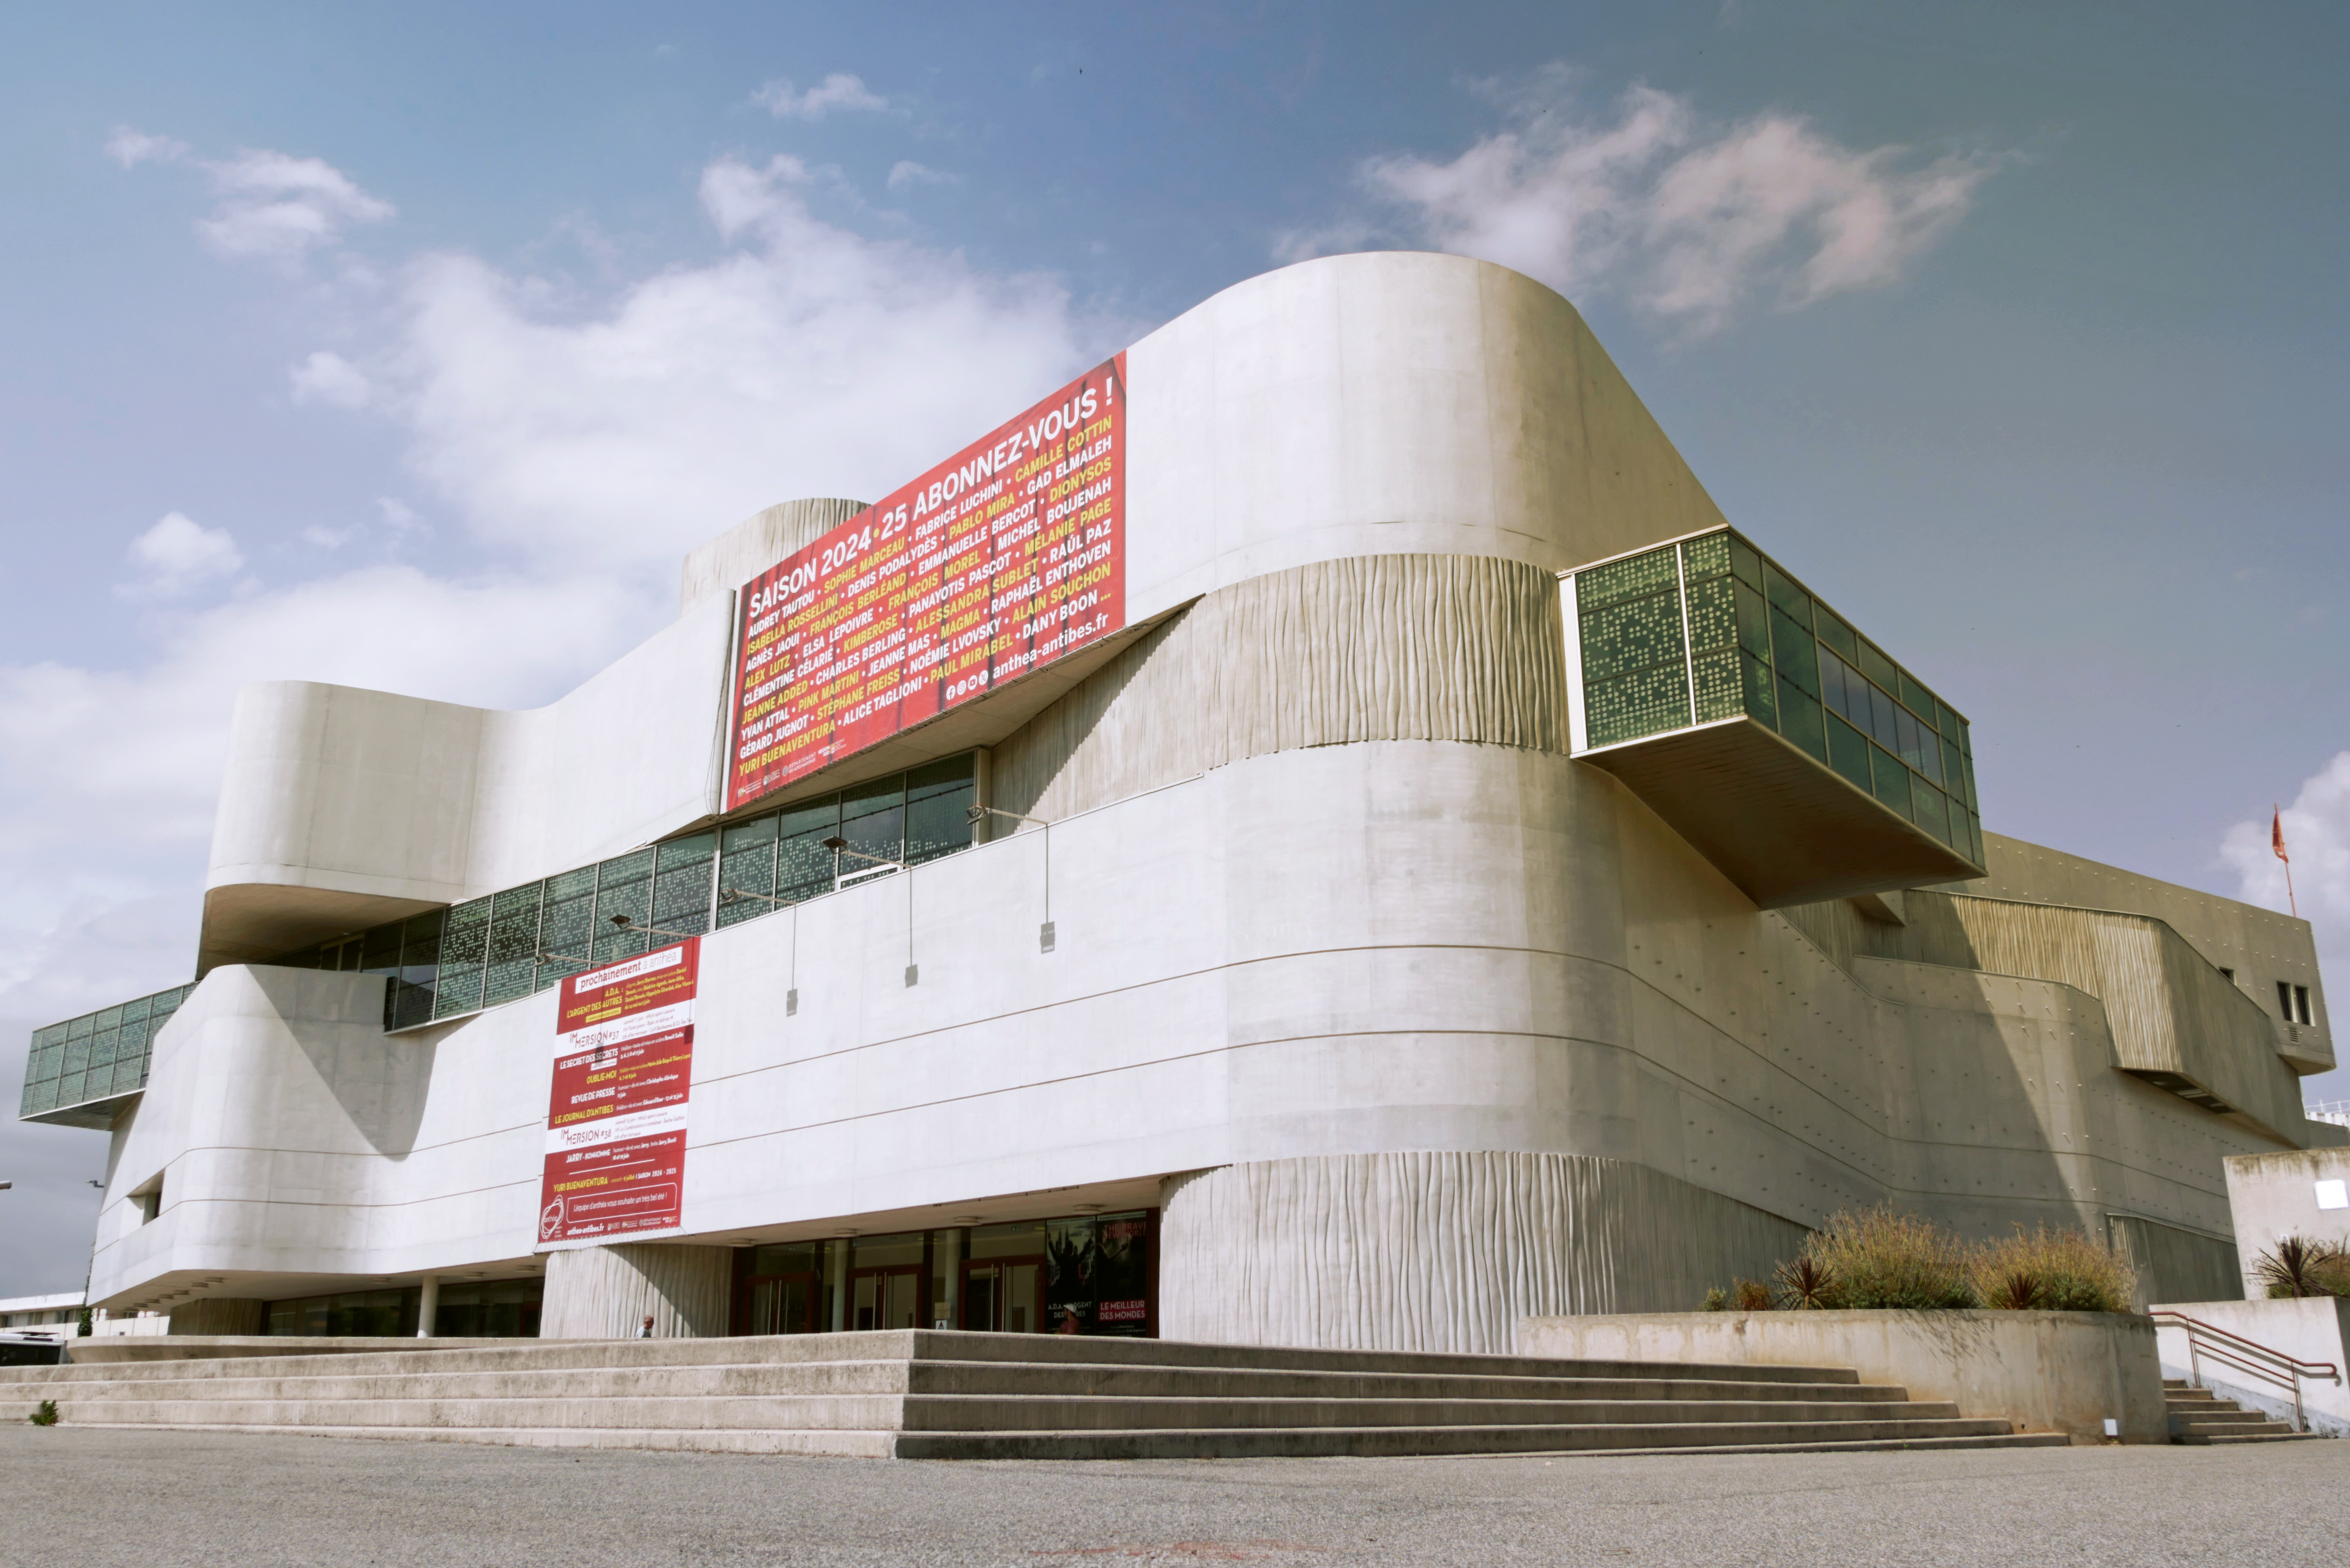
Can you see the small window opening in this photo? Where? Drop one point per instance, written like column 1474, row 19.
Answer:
column 148, row 1196
column 2284, row 999
column 2300, row 1002
column 2227, row 974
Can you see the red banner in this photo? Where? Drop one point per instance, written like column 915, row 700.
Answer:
column 615, row 1159
column 1003, row 558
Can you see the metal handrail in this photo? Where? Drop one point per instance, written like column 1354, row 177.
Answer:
column 2230, row 1350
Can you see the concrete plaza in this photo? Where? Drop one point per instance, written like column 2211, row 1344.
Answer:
column 100, row 1497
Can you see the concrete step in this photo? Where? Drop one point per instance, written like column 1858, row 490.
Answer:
column 2199, row 1417
column 942, row 1377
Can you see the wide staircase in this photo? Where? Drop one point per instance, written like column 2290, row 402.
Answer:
column 2199, row 1415
column 923, row 1394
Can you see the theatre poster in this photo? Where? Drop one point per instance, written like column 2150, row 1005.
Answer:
column 615, row 1168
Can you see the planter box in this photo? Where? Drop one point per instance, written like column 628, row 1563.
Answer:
column 2316, row 1328
column 2065, row 1372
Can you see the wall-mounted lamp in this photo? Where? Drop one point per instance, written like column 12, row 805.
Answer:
column 1046, row 937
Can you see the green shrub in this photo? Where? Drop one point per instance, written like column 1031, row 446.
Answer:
column 44, row 1414
column 2056, row 1268
column 2298, row 1266
column 1805, row 1284
column 1717, row 1300
column 1878, row 1257
column 1751, row 1295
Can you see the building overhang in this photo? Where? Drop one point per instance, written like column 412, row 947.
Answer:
column 1783, row 828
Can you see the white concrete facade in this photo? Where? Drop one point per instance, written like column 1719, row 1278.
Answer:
column 1358, row 975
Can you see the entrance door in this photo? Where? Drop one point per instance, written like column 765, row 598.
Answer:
column 779, row 1303
column 885, row 1298
column 1004, row 1295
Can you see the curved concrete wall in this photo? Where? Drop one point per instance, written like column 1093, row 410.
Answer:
column 607, row 1293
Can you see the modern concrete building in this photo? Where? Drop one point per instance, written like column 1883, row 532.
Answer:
column 1465, row 881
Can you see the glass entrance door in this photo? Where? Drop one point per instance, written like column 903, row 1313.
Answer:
column 780, row 1304
column 1004, row 1295
column 885, row 1298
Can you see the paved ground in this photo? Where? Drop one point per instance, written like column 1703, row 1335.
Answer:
column 92, row 1498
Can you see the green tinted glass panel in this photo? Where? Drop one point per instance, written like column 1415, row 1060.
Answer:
column 1974, row 825
column 1954, row 775
column 1754, row 623
column 1746, row 563
column 747, row 869
column 1838, row 635
column 1785, row 595
column 1720, row 689
column 1877, row 667
column 938, row 816
column 1974, row 796
column 1946, row 720
column 1929, row 755
column 1793, row 653
column 1932, row 809
column 464, row 939
column 1712, row 615
column 513, row 962
column 624, row 888
column 1706, row 557
column 1626, row 579
column 77, row 1055
column 682, row 884
column 80, row 1027
column 1761, row 697
column 1632, row 635
column 1848, row 753
column 1643, row 703
column 1918, row 700
column 1889, row 780
column 1801, row 720
column 802, row 864
column 1884, row 718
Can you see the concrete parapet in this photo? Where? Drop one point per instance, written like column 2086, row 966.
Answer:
column 2065, row 1372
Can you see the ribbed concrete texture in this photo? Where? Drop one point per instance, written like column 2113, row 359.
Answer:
column 606, row 1293
column 218, row 1314
column 1377, row 648
column 916, row 1394
column 1442, row 1252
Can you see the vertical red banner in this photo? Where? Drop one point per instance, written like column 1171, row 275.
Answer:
column 1007, row 555
column 615, row 1157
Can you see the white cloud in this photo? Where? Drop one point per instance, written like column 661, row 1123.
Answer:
column 839, row 90
column 330, row 378
column 807, row 360
column 274, row 207
column 906, row 171
column 1689, row 219
column 131, row 148
column 2317, row 836
column 178, row 556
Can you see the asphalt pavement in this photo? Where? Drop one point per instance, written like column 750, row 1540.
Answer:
column 87, row 1498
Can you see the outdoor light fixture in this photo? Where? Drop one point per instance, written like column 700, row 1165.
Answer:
column 839, row 846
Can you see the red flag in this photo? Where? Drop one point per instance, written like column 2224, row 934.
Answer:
column 2276, row 835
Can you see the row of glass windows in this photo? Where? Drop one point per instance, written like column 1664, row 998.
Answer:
column 491, row 1309
column 97, row 1056
column 510, row 944
column 1712, row 629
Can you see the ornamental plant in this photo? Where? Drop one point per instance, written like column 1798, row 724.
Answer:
column 44, row 1414
column 2299, row 1266
column 1880, row 1257
column 2055, row 1269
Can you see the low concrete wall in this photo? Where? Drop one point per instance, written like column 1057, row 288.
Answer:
column 2046, row 1371
column 2316, row 1328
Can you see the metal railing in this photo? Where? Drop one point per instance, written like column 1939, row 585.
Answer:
column 2274, row 1368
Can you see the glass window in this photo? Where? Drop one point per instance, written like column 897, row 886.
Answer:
column 1838, row 635
column 1848, row 753
column 566, row 925
column 938, row 809
column 1881, row 721
column 1761, row 697
column 513, row 964
column 1721, row 690
column 624, row 886
column 465, row 941
column 1642, row 703
column 682, row 880
column 1890, row 779
column 1930, row 808
column 1794, row 653
column 1801, row 720
column 1713, row 614
column 1744, row 563
column 1930, row 755
column 873, row 820
column 1954, row 775
column 1627, row 580
column 1786, row 598
column 1706, row 557
column 1753, row 622
column 1636, row 634
column 747, row 866
column 1918, row 700
column 1876, row 667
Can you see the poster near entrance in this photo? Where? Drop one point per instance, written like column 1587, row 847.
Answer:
column 1009, row 554
column 615, row 1157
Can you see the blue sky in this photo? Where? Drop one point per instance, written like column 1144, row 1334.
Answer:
column 411, row 348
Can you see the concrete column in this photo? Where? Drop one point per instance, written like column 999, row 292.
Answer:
column 1442, row 1251
column 428, row 1306
column 607, row 1293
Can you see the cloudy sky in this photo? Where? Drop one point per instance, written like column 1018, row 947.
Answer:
column 410, row 347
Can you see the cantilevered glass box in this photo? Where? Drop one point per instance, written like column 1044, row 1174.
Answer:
column 1787, row 748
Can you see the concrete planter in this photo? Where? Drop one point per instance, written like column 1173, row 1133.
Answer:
column 2065, row 1372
